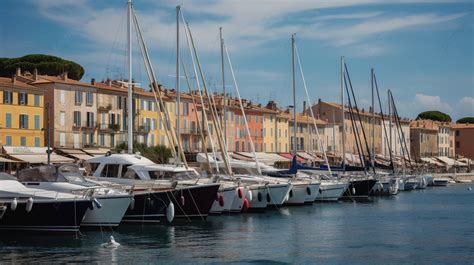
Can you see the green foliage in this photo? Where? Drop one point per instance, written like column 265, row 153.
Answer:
column 46, row 64
column 158, row 154
column 466, row 120
column 434, row 115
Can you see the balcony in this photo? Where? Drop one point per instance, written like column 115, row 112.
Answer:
column 104, row 108
column 88, row 126
column 143, row 129
column 108, row 127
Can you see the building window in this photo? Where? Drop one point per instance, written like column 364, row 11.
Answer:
column 37, row 122
column 101, row 139
column 90, row 119
column 78, row 97
column 150, row 105
column 89, row 98
column 458, row 144
column 8, row 121
column 457, row 132
column 37, row 142
column 7, row 97
column 8, row 140
column 119, row 102
column 62, row 139
column 91, row 138
column 112, row 140
column 23, row 121
column 77, row 118
column 22, row 141
column 37, row 100
column 62, row 118
column 22, row 98
column 186, row 108
column 62, row 97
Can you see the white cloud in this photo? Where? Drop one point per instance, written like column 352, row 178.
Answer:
column 424, row 102
column 466, row 107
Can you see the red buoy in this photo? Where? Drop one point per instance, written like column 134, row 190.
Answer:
column 221, row 200
column 246, row 205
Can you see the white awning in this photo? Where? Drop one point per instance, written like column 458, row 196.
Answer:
column 42, row 158
column 309, row 157
column 6, row 160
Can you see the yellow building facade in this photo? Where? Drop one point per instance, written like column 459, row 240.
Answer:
column 21, row 114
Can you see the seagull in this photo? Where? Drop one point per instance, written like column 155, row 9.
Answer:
column 111, row 244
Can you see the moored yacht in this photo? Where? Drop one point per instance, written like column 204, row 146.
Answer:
column 30, row 209
column 68, row 178
column 159, row 190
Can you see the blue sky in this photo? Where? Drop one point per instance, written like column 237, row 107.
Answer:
column 421, row 50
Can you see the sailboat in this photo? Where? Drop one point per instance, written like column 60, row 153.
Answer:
column 161, row 192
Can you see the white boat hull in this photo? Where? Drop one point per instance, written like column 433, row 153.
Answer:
column 312, row 192
column 297, row 194
column 331, row 191
column 277, row 193
column 110, row 214
column 225, row 205
column 259, row 201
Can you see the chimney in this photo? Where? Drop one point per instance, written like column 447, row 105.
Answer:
column 93, row 81
column 14, row 79
column 35, row 74
column 18, row 71
column 304, row 106
column 108, row 82
column 65, row 76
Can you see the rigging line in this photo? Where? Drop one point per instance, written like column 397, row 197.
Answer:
column 111, row 51
column 397, row 118
column 397, row 128
column 252, row 147
column 211, row 106
column 175, row 142
column 205, row 125
column 160, row 105
column 199, row 122
column 311, row 110
column 355, row 129
column 359, row 118
column 383, row 122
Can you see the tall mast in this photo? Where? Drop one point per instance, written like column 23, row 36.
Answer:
column 224, row 123
column 343, row 116
column 178, row 93
column 295, row 141
column 130, row 91
column 373, row 116
column 390, row 121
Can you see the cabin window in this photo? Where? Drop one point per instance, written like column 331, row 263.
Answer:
column 110, row 171
column 131, row 174
column 125, row 169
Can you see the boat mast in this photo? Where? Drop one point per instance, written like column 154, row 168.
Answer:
column 390, row 121
column 295, row 142
column 373, row 117
column 343, row 116
column 178, row 96
column 224, row 118
column 130, row 91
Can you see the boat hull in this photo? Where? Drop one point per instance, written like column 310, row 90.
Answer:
column 45, row 216
column 297, row 195
column 312, row 192
column 277, row 193
column 110, row 214
column 330, row 192
column 259, row 198
column 358, row 189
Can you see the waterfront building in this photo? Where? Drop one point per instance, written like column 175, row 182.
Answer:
column 21, row 113
column 423, row 139
column 445, row 139
column 331, row 112
column 276, row 122
column 396, row 135
column 306, row 137
column 463, row 137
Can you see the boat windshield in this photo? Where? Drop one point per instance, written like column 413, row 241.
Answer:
column 71, row 173
column 38, row 174
column 182, row 175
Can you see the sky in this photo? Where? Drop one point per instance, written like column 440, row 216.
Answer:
column 422, row 50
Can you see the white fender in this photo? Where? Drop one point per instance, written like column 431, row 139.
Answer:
column 353, row 191
column 29, row 205
column 132, row 204
column 14, row 204
column 249, row 195
column 170, row 212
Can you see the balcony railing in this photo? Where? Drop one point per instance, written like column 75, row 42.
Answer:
column 108, row 127
column 190, row 131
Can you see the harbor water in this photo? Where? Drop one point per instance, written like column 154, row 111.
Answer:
column 430, row 226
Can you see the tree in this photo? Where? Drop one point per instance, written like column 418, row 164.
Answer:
column 45, row 64
column 434, row 115
column 466, row 120
column 158, row 154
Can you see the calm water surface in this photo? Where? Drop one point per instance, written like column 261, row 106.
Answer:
column 429, row 226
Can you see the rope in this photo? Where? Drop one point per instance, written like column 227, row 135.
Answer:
column 197, row 208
